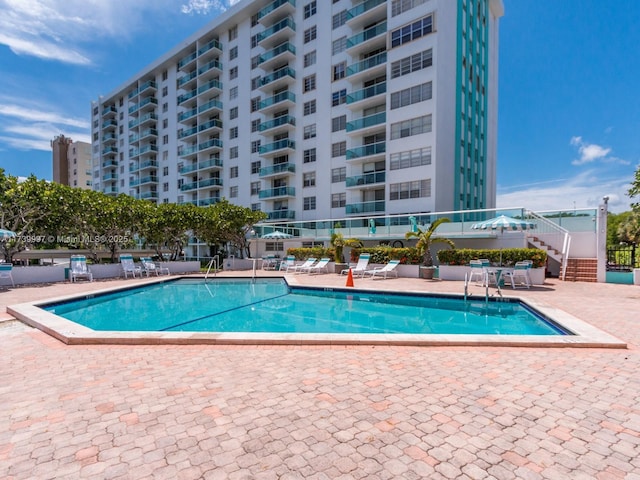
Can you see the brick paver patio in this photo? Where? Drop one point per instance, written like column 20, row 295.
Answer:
column 243, row 412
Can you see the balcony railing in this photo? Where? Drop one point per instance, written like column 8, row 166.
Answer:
column 212, row 162
column 187, row 78
column 215, row 123
column 209, row 85
column 142, row 119
column 366, row 179
column 187, row 96
column 186, row 60
column 209, row 105
column 278, row 192
column 367, row 34
column 367, row 63
column 188, row 186
column 212, row 44
column 282, row 215
column 277, row 122
column 187, row 114
column 272, row 6
column 146, row 85
column 278, row 168
column 143, row 180
column 214, row 142
column 208, row 66
column 109, row 109
column 363, row 7
column 148, row 164
column 187, row 133
column 109, row 163
column 365, row 207
column 368, row 121
column 143, row 103
column 183, row 170
column 109, row 123
column 367, row 150
column 368, row 92
column 205, row 202
column 280, row 97
column 278, row 74
column 279, row 50
column 147, row 196
column 281, row 25
column 279, row 145
column 110, row 150
column 209, row 182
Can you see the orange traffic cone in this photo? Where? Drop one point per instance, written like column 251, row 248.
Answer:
column 349, row 279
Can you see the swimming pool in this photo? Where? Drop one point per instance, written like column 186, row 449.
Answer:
column 271, row 305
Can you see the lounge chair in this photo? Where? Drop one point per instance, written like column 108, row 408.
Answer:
column 287, row 263
column 318, row 267
column 150, row 267
column 478, row 272
column 519, row 275
column 361, row 266
column 5, row 272
column 129, row 267
column 78, row 268
column 389, row 268
column 307, row 263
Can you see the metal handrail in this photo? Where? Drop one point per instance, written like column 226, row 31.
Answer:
column 558, row 230
column 212, row 262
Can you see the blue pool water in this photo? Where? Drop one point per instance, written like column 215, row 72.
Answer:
column 270, row 305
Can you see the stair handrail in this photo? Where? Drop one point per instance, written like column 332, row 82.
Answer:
column 212, row 263
column 563, row 232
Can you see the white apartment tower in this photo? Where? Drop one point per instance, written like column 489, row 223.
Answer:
column 314, row 109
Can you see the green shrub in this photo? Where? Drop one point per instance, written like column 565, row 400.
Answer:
column 382, row 254
column 315, row 252
column 510, row 256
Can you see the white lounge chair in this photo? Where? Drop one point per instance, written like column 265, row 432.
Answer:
column 150, row 267
column 287, row 263
column 361, row 266
column 318, row 267
column 519, row 276
column 129, row 267
column 78, row 268
column 389, row 268
column 5, row 272
column 307, row 263
column 478, row 272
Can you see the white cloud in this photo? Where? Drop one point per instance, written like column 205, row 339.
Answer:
column 202, row 6
column 31, row 114
column 591, row 152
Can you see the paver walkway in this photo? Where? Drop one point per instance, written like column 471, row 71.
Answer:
column 239, row 412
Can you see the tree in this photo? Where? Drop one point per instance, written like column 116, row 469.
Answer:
column 168, row 226
column 634, row 191
column 629, row 229
column 426, row 239
column 338, row 242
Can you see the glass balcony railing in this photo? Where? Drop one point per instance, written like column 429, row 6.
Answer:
column 146, row 101
column 187, row 78
column 188, row 186
column 187, row 132
column 278, row 192
column 273, row 6
column 147, row 196
column 279, row 168
column 212, row 162
column 142, row 119
column 187, row 96
column 279, row 50
column 210, row 182
column 109, row 163
column 367, row 63
column 215, row 123
column 214, row 142
column 209, row 45
column 282, row 215
column 110, row 177
column 367, row 34
column 143, row 180
column 148, row 164
column 367, row 150
column 279, row 145
column 187, row 169
column 363, row 7
column 187, row 114
column 368, row 121
column 365, row 207
column 281, row 25
column 109, row 150
column 110, row 190
column 109, row 136
column 205, row 202
column 368, row 92
column 186, row 60
column 209, row 85
column 280, row 97
column 278, row 74
column 184, row 151
column 148, row 148
column 149, row 84
column 209, row 105
column 109, row 109
column 366, row 179
column 277, row 122
column 209, row 66
column 109, row 123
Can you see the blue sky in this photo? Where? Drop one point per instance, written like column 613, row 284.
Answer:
column 569, row 108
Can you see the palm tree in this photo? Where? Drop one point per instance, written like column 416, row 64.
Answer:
column 426, row 239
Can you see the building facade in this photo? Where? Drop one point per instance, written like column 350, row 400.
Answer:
column 314, row 109
column 72, row 162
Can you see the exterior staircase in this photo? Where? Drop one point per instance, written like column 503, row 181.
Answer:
column 582, row 270
column 551, row 252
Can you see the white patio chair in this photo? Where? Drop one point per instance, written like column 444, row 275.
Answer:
column 150, row 267
column 78, row 268
column 519, row 276
column 389, row 268
column 361, row 266
column 478, row 272
column 307, row 263
column 129, row 267
column 5, row 272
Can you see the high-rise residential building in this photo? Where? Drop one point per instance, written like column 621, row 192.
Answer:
column 72, row 162
column 309, row 109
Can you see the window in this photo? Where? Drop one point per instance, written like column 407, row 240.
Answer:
column 165, row 91
column 165, row 139
column 233, row 113
column 309, row 83
column 255, row 207
column 233, row 132
column 255, row 166
column 255, row 82
column 233, row 93
column 339, row 19
column 410, row 158
column 165, row 187
column 233, row 73
column 310, row 34
column 255, row 61
column 310, row 9
column 338, row 149
column 338, row 174
column 233, row 33
column 233, row 192
column 310, row 59
column 339, row 45
column 310, row 107
column 411, row 64
column 255, row 188
column 413, row 31
column 401, row 6
column 309, row 203
column 339, row 123
column 254, row 40
column 233, row 53
column 165, row 107
column 165, row 123
column 309, row 155
column 405, row 190
column 274, row 246
column 165, row 75
column 415, row 126
column 338, row 97
column 233, row 172
column 339, row 71
column 338, row 200
column 255, row 125
column 165, row 171
column 309, row 131
column 409, row 96
column 309, row 179
column 255, row 146
column 255, row 103
column 233, row 152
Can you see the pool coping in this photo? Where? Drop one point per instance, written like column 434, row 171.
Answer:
column 71, row 333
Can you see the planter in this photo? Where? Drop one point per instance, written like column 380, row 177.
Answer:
column 457, row 272
column 339, row 267
column 427, row 272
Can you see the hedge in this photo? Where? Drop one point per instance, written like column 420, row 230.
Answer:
column 382, row 254
column 462, row 256
column 309, row 252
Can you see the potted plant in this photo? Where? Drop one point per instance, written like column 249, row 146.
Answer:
column 338, row 242
column 425, row 240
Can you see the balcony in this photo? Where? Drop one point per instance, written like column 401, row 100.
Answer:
column 212, row 163
column 279, row 7
column 211, row 84
column 187, row 114
column 147, row 196
column 277, row 33
column 368, row 66
column 282, row 215
column 366, row 179
column 210, row 182
column 148, row 85
column 214, row 143
column 109, row 111
column 366, row 13
column 278, row 169
column 187, row 96
column 144, row 181
column 211, row 124
column 149, row 102
column 187, row 60
column 362, row 98
column 275, row 148
column 187, row 187
column 110, row 177
column 186, row 169
column 109, row 163
column 278, row 79
column 281, row 100
column 365, row 207
column 187, row 132
column 366, row 124
column 189, row 151
column 278, row 192
column 109, row 137
column 209, row 46
column 149, row 117
column 364, row 39
column 367, row 151
column 148, row 164
column 277, row 125
column 110, row 150
column 212, row 65
column 110, row 190
column 280, row 54
column 185, row 80
column 210, row 105
column 109, row 124
column 205, row 202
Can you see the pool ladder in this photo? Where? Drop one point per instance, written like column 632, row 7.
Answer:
column 212, row 263
column 486, row 289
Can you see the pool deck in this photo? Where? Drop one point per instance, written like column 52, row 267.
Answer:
column 325, row 411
